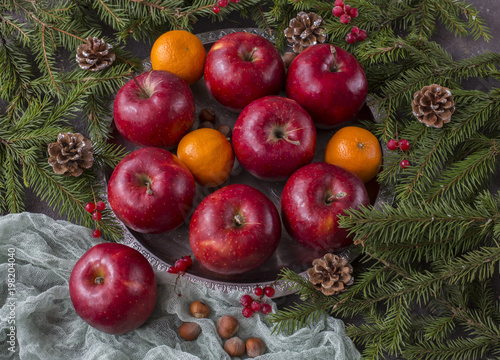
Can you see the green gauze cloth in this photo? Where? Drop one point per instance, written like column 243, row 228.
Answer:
column 37, row 255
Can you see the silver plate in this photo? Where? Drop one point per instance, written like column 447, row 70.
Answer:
column 163, row 249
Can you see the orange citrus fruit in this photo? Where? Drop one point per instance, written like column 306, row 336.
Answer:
column 208, row 154
column 181, row 53
column 355, row 149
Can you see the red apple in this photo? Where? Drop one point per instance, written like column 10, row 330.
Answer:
column 151, row 190
column 158, row 116
column 328, row 82
column 241, row 67
column 235, row 229
column 313, row 198
column 113, row 288
column 273, row 137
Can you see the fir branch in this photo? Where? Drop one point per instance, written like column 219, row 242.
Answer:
column 478, row 265
column 389, row 225
column 459, row 349
column 464, row 178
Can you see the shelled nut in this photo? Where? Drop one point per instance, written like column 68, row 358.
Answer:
column 234, row 346
column 227, row 326
column 207, row 115
column 255, row 347
column 199, row 309
column 189, row 331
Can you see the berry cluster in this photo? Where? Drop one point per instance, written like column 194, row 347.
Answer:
column 222, row 4
column 403, row 145
column 180, row 265
column 356, row 34
column 251, row 305
column 344, row 12
column 96, row 210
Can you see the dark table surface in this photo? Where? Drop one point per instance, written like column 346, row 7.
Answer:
column 458, row 47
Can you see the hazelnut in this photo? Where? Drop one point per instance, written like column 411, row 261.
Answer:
column 234, row 346
column 227, row 326
column 206, row 125
column 199, row 309
column 207, row 115
column 189, row 331
column 255, row 347
column 225, row 130
column 288, row 58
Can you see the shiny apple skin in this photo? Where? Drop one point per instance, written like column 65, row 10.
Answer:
column 126, row 297
column 330, row 97
column 173, row 190
column 226, row 248
column 262, row 153
column 235, row 82
column 307, row 216
column 160, row 120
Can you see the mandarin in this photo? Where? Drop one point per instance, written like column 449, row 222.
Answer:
column 181, row 53
column 355, row 149
column 208, row 155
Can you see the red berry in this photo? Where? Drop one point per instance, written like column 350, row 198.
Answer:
column 344, row 19
column 405, row 163
column 100, row 206
column 96, row 233
column 339, row 3
column 172, row 270
column 266, row 309
column 255, row 305
column 404, row 144
column 246, row 300
column 216, row 9
column 188, row 260
column 337, row 11
column 269, row 291
column 235, row 1
column 90, row 207
column 258, row 291
column 362, row 35
column 347, row 9
column 97, row 216
column 355, row 30
column 222, row 3
column 247, row 312
column 353, row 12
column 392, row 144
column 181, row 265
column 350, row 38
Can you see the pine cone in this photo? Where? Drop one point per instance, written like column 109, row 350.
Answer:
column 95, row 54
column 433, row 105
column 331, row 274
column 71, row 154
column 305, row 30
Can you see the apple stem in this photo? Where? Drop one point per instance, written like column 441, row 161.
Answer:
column 99, row 280
column 238, row 220
column 294, row 142
column 333, row 66
column 149, row 191
column 249, row 57
column 141, row 89
column 336, row 196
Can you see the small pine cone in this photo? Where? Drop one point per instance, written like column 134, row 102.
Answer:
column 95, row 54
column 305, row 30
column 71, row 154
column 433, row 105
column 331, row 274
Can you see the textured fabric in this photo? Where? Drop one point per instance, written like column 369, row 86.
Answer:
column 39, row 253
